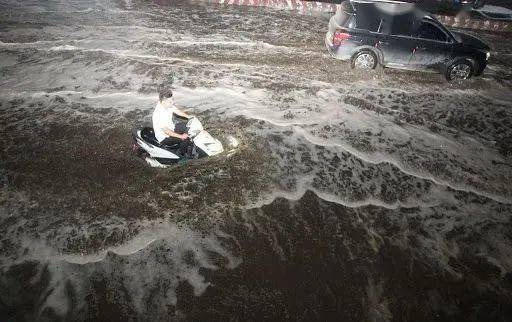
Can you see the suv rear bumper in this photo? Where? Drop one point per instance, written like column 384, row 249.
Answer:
column 335, row 51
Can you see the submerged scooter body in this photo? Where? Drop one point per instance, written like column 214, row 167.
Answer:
column 161, row 155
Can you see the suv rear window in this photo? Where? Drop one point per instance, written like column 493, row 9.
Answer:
column 345, row 15
column 385, row 17
column 368, row 17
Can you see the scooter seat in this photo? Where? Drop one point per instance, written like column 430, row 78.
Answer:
column 148, row 135
column 172, row 146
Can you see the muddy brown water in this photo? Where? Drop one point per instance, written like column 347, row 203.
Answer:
column 352, row 197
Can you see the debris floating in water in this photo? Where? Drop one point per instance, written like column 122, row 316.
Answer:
column 232, row 142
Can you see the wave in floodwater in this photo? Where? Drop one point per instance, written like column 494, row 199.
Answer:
column 151, row 275
column 323, row 122
column 142, row 273
column 234, row 43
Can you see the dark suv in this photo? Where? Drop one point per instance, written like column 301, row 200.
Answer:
column 398, row 35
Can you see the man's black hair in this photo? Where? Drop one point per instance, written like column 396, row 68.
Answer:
column 164, row 92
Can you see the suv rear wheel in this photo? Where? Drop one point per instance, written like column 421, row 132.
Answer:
column 477, row 4
column 364, row 59
column 460, row 69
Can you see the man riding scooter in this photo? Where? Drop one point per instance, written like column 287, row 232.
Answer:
column 169, row 130
column 175, row 136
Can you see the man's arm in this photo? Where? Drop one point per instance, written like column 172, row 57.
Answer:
column 170, row 132
column 179, row 112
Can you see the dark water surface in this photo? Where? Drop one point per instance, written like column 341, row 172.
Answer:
column 380, row 197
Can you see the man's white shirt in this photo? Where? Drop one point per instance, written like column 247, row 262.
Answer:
column 162, row 119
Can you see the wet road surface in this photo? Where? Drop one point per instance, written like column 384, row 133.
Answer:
column 379, row 197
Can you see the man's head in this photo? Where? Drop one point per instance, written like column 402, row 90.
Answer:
column 165, row 96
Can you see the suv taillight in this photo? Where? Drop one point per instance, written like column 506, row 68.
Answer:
column 339, row 37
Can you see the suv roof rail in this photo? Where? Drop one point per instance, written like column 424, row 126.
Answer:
column 395, row 7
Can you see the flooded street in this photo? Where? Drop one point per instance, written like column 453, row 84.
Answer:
column 352, row 197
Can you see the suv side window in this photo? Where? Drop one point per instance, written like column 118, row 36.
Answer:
column 431, row 32
column 372, row 25
column 352, row 23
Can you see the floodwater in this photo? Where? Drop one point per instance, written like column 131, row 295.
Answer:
column 352, row 197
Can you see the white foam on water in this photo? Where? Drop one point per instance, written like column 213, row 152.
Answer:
column 412, row 171
column 313, row 113
column 144, row 29
column 495, row 9
column 28, row 44
column 305, row 184
column 130, row 54
column 160, row 254
column 125, row 101
column 202, row 42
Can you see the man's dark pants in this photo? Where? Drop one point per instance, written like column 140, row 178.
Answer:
column 180, row 128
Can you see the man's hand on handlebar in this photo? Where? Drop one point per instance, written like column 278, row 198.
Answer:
column 173, row 134
column 183, row 114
